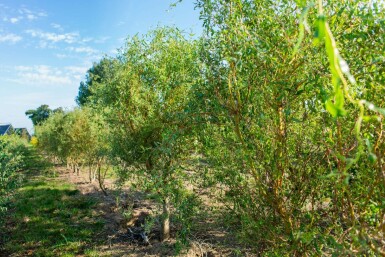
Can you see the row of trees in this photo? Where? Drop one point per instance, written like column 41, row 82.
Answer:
column 78, row 139
column 262, row 106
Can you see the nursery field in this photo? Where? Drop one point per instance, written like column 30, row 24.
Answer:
column 264, row 136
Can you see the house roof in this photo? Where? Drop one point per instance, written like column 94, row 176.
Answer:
column 4, row 128
column 19, row 131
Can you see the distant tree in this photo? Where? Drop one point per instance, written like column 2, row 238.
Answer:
column 39, row 115
column 58, row 110
column 84, row 92
column 96, row 75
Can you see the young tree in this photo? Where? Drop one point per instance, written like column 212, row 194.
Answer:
column 146, row 106
column 284, row 145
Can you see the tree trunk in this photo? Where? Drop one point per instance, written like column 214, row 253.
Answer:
column 101, row 179
column 165, row 229
column 90, row 172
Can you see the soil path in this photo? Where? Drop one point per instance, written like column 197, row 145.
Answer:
column 123, row 215
column 211, row 239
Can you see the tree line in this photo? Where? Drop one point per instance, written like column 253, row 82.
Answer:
column 278, row 105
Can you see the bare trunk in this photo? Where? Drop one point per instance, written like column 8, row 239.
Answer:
column 165, row 229
column 101, row 178
column 90, row 172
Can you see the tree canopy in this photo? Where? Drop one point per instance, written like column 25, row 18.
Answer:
column 41, row 113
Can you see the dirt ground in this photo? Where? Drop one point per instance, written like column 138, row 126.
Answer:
column 124, row 213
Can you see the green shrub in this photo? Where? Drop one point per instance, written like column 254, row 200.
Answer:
column 13, row 157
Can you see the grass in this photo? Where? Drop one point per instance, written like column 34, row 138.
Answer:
column 51, row 218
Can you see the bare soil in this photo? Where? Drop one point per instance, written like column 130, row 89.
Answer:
column 125, row 213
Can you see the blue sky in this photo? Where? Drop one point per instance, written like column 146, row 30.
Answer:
column 46, row 46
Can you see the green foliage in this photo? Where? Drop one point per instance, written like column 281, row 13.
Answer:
column 280, row 102
column 74, row 135
column 42, row 113
column 270, row 149
column 99, row 73
column 13, row 159
column 146, row 106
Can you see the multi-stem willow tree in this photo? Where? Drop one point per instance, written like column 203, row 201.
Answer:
column 266, row 100
column 285, row 144
column 355, row 31
column 146, row 105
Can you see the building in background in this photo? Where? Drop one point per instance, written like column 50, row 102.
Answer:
column 23, row 133
column 6, row 129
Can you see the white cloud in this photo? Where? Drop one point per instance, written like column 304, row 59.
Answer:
column 46, row 79
column 34, row 14
column 23, row 68
column 22, row 14
column 42, row 14
column 101, row 40
column 25, row 98
column 15, row 19
column 61, row 56
column 43, row 75
column 56, row 26
column 86, row 40
column 77, row 69
column 88, row 50
column 11, row 38
column 31, row 17
column 69, row 38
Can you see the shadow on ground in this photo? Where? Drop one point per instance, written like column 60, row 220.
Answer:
column 51, row 217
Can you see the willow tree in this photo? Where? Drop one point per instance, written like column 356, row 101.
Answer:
column 145, row 104
column 50, row 136
column 285, row 145
column 267, row 99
